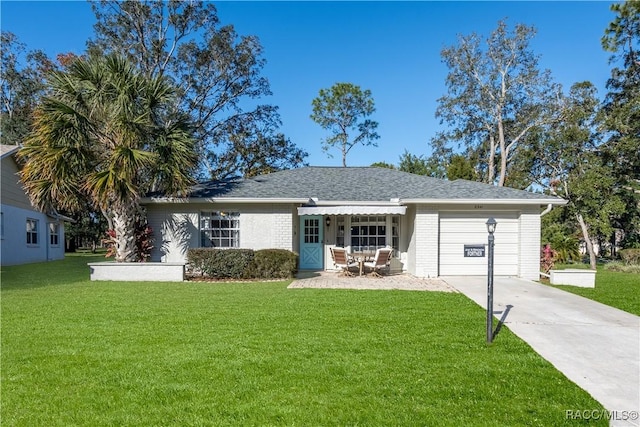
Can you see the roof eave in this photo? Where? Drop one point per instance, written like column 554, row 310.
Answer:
column 10, row 152
column 392, row 202
column 59, row 217
column 151, row 200
column 558, row 201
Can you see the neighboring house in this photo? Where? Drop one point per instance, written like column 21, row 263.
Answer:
column 28, row 235
column 427, row 221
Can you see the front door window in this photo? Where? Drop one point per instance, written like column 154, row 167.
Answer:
column 312, row 230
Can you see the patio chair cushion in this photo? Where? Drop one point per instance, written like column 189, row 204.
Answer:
column 341, row 259
column 381, row 260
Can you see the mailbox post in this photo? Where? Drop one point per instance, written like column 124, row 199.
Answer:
column 491, row 228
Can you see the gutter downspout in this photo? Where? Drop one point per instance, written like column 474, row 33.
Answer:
column 547, row 210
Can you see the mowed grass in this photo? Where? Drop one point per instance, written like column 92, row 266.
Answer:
column 198, row 354
column 613, row 288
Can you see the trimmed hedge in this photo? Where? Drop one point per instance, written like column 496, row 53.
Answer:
column 630, row 256
column 219, row 263
column 273, row 264
column 242, row 263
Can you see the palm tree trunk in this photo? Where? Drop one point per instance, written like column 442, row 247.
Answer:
column 124, row 219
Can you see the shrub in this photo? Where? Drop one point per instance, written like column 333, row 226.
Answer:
column 143, row 234
column 272, row 264
column 219, row 263
column 622, row 267
column 566, row 247
column 547, row 258
column 630, row 256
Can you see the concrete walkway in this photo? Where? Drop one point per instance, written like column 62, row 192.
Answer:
column 592, row 344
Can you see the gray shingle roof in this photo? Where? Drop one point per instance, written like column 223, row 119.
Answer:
column 365, row 184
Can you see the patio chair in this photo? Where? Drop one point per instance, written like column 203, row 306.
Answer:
column 382, row 260
column 341, row 260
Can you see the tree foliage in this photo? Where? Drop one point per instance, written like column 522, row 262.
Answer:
column 343, row 109
column 413, row 164
column 460, row 167
column 418, row 165
column 22, row 85
column 568, row 162
column 496, row 96
column 102, row 137
column 255, row 152
column 216, row 71
column 383, row 165
column 621, row 112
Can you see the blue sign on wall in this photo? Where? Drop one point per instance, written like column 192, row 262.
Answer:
column 474, row 251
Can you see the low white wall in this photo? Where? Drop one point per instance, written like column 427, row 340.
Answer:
column 574, row 277
column 137, row 271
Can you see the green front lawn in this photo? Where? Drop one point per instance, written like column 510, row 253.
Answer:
column 133, row 354
column 616, row 289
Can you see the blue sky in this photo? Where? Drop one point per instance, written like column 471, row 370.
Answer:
column 390, row 48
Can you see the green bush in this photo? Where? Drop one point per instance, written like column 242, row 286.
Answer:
column 565, row 244
column 272, row 264
column 566, row 247
column 219, row 263
column 622, row 267
column 630, row 256
column 242, row 263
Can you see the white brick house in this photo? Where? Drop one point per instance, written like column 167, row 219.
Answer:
column 429, row 222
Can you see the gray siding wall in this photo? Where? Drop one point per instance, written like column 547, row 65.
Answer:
column 12, row 193
column 14, row 248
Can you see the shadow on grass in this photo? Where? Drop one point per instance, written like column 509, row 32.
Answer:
column 72, row 269
column 503, row 318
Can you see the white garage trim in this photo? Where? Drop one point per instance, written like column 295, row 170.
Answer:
column 458, row 229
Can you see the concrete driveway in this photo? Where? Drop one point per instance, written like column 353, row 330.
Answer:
column 592, row 344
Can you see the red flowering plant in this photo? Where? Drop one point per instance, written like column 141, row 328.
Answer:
column 547, row 258
column 144, row 241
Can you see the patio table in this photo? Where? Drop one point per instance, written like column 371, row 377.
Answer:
column 361, row 257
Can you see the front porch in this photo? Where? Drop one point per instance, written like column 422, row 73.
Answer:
column 360, row 231
column 394, row 281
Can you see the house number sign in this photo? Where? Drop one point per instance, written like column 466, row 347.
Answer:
column 474, row 251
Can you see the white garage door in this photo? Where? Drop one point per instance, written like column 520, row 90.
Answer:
column 458, row 229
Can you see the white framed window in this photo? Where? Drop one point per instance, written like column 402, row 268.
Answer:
column 395, row 235
column 368, row 233
column 340, row 231
column 54, row 234
column 220, row 229
column 32, row 231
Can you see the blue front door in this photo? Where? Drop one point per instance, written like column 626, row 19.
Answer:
column 311, row 252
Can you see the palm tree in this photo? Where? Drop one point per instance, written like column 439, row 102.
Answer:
column 102, row 137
